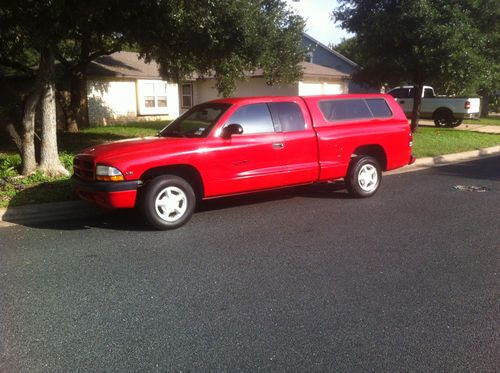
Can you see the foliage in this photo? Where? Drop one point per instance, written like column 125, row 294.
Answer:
column 224, row 38
column 419, row 41
column 349, row 47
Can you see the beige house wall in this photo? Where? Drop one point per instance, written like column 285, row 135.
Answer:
column 122, row 101
column 205, row 90
column 117, row 101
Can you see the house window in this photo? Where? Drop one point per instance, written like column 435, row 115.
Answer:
column 309, row 57
column 152, row 97
column 186, row 95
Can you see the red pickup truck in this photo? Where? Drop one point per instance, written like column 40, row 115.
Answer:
column 240, row 145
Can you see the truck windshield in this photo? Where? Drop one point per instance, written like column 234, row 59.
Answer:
column 196, row 122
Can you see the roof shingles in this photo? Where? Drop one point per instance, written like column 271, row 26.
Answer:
column 130, row 65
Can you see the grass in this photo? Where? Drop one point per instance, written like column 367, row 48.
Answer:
column 491, row 121
column 430, row 141
column 75, row 142
column 36, row 188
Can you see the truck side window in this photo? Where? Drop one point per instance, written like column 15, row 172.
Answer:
column 289, row 115
column 397, row 93
column 254, row 118
column 344, row 109
column 379, row 108
column 428, row 93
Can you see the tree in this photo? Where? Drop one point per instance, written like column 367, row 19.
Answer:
column 348, row 47
column 486, row 14
column 94, row 28
column 220, row 37
column 223, row 38
column 417, row 41
column 26, row 32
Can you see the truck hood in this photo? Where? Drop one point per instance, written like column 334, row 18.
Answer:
column 139, row 148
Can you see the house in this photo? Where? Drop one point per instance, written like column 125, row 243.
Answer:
column 122, row 87
column 322, row 55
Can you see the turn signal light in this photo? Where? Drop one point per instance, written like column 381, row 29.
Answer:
column 109, row 178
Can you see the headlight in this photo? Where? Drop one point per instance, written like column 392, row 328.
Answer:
column 107, row 173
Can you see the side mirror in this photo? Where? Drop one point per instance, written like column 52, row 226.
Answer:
column 232, row 129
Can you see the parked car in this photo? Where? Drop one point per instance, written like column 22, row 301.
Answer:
column 241, row 145
column 445, row 111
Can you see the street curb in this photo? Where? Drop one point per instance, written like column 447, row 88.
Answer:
column 47, row 212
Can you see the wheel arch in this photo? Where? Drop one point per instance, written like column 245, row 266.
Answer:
column 185, row 171
column 442, row 109
column 374, row 150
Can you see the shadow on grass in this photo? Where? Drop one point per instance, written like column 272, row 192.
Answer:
column 53, row 191
column 75, row 142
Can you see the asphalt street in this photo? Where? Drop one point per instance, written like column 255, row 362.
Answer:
column 300, row 280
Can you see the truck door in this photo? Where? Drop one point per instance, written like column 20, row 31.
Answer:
column 249, row 161
column 404, row 97
column 300, row 145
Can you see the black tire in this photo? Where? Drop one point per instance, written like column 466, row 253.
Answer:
column 363, row 177
column 177, row 197
column 445, row 118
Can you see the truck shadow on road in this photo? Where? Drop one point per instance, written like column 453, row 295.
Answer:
column 132, row 220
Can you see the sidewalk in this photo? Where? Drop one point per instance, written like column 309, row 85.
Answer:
column 46, row 212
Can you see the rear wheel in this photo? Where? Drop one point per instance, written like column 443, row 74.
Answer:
column 364, row 176
column 168, row 202
column 445, row 118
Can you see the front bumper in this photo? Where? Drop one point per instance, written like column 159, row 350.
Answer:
column 107, row 194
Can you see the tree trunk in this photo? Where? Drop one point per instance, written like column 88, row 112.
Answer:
column 14, row 136
column 28, row 136
column 417, row 101
column 79, row 102
column 485, row 106
column 50, row 164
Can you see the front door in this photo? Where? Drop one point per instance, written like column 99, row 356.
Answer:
column 253, row 160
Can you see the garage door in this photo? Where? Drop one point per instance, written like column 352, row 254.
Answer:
column 311, row 89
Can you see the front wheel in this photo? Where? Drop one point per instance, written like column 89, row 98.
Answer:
column 364, row 176
column 168, row 202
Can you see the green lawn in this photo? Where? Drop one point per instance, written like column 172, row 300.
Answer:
column 17, row 191
column 491, row 121
column 431, row 141
column 75, row 142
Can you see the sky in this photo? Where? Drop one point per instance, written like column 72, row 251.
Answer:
column 317, row 15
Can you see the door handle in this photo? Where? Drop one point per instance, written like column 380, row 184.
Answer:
column 402, row 101
column 278, row 145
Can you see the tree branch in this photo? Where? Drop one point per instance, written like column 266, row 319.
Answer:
column 17, row 66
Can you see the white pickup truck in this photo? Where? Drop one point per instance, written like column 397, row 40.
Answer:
column 446, row 111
